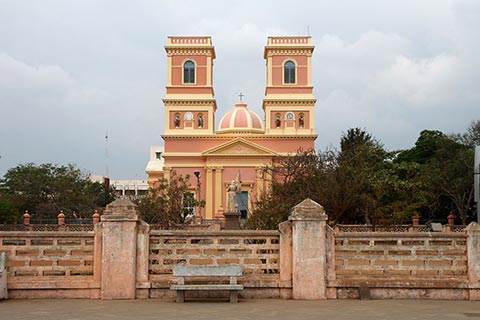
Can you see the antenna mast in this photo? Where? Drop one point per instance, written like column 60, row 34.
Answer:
column 107, row 174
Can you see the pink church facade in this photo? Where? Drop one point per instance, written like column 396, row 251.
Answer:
column 244, row 143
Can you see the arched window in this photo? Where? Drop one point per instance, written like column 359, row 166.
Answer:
column 200, row 120
column 189, row 72
column 289, row 72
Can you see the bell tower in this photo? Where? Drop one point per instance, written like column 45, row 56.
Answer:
column 189, row 101
column 289, row 102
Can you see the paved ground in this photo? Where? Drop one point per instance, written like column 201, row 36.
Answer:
column 245, row 309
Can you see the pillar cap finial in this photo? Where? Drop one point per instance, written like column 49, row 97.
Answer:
column 308, row 210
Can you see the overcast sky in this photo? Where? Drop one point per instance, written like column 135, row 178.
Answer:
column 70, row 71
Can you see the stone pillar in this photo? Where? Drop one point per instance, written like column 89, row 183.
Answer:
column 473, row 260
column 416, row 220
column 309, row 244
column 119, row 244
column 451, row 219
column 26, row 218
column 61, row 218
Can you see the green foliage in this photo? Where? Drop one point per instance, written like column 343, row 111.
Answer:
column 446, row 164
column 472, row 136
column 7, row 210
column 364, row 183
column 46, row 189
column 428, row 143
column 163, row 204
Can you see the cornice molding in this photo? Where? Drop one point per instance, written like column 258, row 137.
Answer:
column 233, row 136
column 189, row 102
column 288, row 102
column 172, row 51
column 289, row 51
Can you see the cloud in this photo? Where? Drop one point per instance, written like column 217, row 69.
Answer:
column 46, row 111
column 421, row 83
column 71, row 71
column 377, row 82
column 19, row 80
column 44, row 88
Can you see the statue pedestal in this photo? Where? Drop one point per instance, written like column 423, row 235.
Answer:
column 231, row 220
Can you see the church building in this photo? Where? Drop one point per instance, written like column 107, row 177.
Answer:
column 243, row 143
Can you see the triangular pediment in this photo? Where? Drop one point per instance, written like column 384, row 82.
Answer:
column 239, row 147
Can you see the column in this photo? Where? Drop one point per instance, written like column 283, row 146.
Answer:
column 119, row 243
column 166, row 171
column 309, row 250
column 259, row 182
column 219, row 188
column 209, row 194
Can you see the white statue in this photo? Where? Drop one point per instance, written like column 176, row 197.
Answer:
column 233, row 189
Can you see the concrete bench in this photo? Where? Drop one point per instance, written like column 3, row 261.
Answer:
column 231, row 271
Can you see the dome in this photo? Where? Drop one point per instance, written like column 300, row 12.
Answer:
column 240, row 120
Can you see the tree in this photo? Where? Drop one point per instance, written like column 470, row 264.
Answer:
column 294, row 178
column 8, row 212
column 446, row 171
column 451, row 176
column 164, row 204
column 426, row 146
column 358, row 184
column 472, row 136
column 46, row 189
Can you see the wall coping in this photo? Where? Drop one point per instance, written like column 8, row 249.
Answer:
column 386, row 235
column 208, row 233
column 47, row 234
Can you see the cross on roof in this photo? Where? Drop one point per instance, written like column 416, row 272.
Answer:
column 241, row 95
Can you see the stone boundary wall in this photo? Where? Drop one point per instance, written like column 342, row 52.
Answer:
column 122, row 258
column 49, row 264
column 258, row 252
column 409, row 265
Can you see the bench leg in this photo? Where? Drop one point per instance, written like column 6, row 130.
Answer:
column 233, row 296
column 180, row 296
